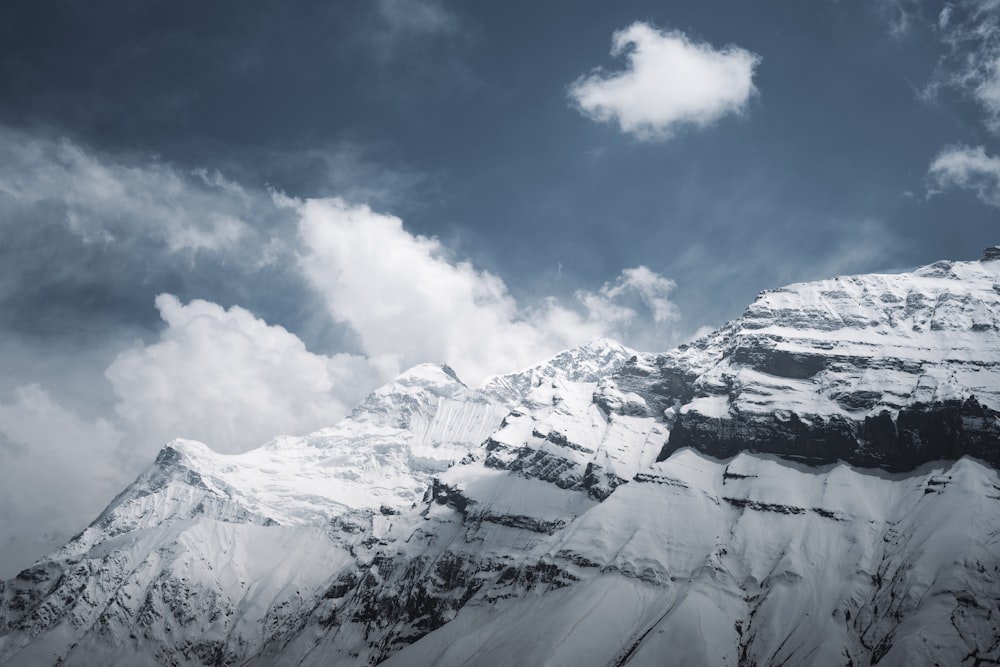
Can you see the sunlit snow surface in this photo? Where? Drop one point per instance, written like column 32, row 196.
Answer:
column 528, row 521
column 754, row 561
column 925, row 336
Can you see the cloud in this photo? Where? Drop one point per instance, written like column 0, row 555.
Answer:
column 232, row 380
column 398, row 29
column 89, row 239
column 406, row 297
column 221, row 376
column 970, row 30
column 901, row 15
column 670, row 81
column 103, row 201
column 970, row 33
column 356, row 172
column 635, row 307
column 422, row 17
column 652, row 288
column 57, row 470
column 944, row 17
column 967, row 168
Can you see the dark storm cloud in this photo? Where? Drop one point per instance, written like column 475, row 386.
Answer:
column 89, row 240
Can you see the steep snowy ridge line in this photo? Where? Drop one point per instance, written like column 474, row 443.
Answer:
column 350, row 482
column 793, row 488
column 878, row 370
column 796, row 584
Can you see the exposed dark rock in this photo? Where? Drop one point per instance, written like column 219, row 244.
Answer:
column 744, row 503
column 857, row 401
column 990, row 254
column 761, row 357
column 917, row 435
column 444, row 494
column 599, row 483
column 520, row 521
column 727, row 475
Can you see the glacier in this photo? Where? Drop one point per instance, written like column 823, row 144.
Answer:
column 815, row 482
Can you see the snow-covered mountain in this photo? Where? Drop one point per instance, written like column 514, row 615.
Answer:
column 813, row 483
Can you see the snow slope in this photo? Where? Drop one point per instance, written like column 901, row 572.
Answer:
column 753, row 560
column 188, row 565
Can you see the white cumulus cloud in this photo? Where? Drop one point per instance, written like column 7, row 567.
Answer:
column 967, row 168
column 670, row 81
column 231, row 380
column 406, row 297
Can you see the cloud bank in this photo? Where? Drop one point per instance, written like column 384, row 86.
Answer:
column 669, row 81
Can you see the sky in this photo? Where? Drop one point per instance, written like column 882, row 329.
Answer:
column 228, row 221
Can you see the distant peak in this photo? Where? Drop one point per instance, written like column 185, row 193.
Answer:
column 601, row 343
column 427, row 374
column 991, row 254
column 185, row 446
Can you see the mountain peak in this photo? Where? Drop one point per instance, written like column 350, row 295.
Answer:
column 644, row 481
column 603, row 344
column 431, row 376
column 588, row 362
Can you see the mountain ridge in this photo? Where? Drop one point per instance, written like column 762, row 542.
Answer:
column 796, row 486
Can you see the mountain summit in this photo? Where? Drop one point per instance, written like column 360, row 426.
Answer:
column 813, row 483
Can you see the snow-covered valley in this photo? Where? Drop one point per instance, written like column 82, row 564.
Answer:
column 813, row 483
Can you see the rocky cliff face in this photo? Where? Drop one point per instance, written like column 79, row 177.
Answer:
column 815, row 482
column 887, row 371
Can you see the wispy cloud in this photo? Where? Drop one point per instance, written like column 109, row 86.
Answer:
column 669, row 81
column 357, row 172
column 966, row 168
column 422, row 17
column 398, row 27
column 105, row 201
column 901, row 15
column 970, row 30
